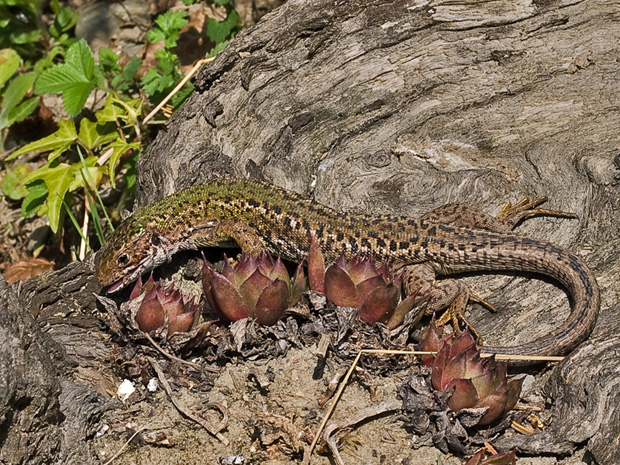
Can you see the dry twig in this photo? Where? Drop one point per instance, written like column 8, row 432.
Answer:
column 215, row 431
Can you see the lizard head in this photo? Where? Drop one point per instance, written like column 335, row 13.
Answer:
column 131, row 251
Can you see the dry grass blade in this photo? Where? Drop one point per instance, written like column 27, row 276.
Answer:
column 364, row 414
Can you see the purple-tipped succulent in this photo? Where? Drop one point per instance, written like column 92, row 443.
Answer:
column 255, row 287
column 478, row 382
column 164, row 306
column 359, row 283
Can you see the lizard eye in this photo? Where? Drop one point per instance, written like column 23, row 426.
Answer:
column 155, row 240
column 123, row 259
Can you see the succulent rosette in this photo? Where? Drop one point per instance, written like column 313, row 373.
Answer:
column 259, row 288
column 477, row 382
column 164, row 306
column 360, row 283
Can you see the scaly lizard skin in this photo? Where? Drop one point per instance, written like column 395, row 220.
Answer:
column 258, row 216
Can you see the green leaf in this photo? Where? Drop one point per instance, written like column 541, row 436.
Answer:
column 218, row 48
column 108, row 60
column 167, row 28
column 81, row 58
column 9, row 64
column 95, row 134
column 58, row 142
column 37, row 192
column 119, row 148
column 154, row 82
column 116, row 109
column 122, row 81
column 155, row 35
column 88, row 170
column 130, row 173
column 74, row 79
column 65, row 20
column 219, row 31
column 19, row 113
column 14, row 93
column 171, row 21
column 13, row 182
column 16, row 90
column 57, row 177
column 221, row 2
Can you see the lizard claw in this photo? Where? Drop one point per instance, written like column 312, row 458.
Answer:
column 525, row 208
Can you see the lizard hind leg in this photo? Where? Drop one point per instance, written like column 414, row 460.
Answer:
column 464, row 216
column 448, row 295
column 512, row 215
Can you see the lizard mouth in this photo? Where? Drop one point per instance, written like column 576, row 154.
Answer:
column 125, row 280
column 115, row 286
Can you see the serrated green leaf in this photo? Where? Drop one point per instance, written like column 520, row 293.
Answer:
column 81, row 58
column 13, row 182
column 119, row 148
column 58, row 142
column 155, row 35
column 9, row 64
column 57, row 178
column 108, row 60
column 95, row 134
column 152, row 82
column 75, row 100
column 171, row 21
column 218, row 48
column 58, row 79
column 75, row 78
column 35, row 199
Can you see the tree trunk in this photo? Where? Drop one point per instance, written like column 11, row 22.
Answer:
column 389, row 106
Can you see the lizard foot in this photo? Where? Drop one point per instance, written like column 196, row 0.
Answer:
column 513, row 214
column 450, row 295
column 456, row 312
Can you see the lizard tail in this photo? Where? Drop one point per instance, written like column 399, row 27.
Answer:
column 518, row 253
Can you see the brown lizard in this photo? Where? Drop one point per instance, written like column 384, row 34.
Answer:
column 451, row 239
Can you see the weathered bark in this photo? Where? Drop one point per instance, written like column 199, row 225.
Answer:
column 381, row 106
column 29, row 409
column 47, row 406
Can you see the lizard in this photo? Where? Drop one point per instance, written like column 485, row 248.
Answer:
column 258, row 216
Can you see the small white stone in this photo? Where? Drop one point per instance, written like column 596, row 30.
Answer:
column 104, row 429
column 152, row 386
column 125, row 390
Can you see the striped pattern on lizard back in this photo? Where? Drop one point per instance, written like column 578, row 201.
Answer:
column 259, row 216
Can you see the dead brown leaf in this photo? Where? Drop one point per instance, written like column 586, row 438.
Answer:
column 26, row 269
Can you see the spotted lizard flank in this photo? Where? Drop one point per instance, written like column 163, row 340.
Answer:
column 451, row 239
